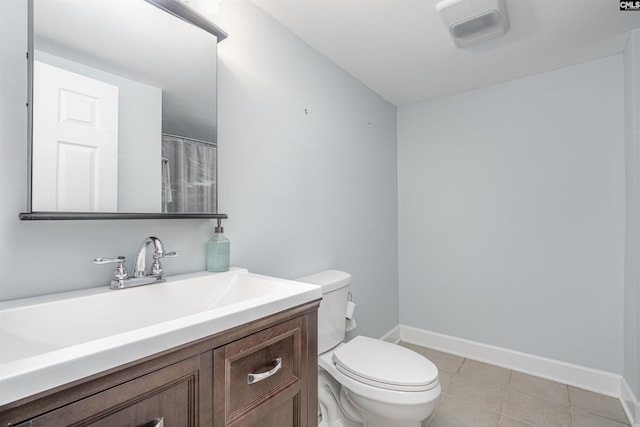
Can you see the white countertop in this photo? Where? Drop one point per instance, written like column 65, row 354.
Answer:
column 51, row 340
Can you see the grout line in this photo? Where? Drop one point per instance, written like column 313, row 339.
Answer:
column 570, row 409
column 464, row 359
column 504, row 404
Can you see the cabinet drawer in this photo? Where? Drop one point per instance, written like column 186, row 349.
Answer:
column 260, row 354
column 170, row 394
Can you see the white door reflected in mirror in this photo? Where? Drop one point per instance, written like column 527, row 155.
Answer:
column 75, row 142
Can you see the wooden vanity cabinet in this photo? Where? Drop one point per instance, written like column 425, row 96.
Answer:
column 171, row 396
column 204, row 383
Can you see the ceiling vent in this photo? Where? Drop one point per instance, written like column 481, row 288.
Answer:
column 473, row 21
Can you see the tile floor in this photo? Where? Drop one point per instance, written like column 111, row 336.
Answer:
column 481, row 395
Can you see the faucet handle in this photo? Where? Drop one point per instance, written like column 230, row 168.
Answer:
column 156, row 267
column 120, row 272
column 171, row 254
column 109, row 260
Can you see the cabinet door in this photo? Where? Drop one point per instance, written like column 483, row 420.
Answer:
column 169, row 397
column 277, row 358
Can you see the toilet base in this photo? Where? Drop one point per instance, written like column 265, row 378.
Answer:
column 373, row 413
column 340, row 408
column 332, row 412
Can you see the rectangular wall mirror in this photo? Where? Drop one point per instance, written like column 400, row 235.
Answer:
column 122, row 109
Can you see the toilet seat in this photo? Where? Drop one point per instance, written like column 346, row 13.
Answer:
column 384, row 365
column 379, row 394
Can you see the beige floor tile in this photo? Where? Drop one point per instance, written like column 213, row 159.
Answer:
column 550, row 390
column 507, row 421
column 484, row 372
column 476, row 394
column 415, row 347
column 455, row 413
column 487, row 395
column 426, row 422
column 585, row 419
column 445, row 378
column 444, row 361
column 536, row 410
column 597, row 404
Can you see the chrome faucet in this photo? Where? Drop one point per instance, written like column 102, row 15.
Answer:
column 141, row 258
column 121, row 279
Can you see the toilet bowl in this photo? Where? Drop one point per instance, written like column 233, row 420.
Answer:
column 366, row 382
column 383, row 384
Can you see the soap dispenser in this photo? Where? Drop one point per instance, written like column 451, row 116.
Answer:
column 218, row 250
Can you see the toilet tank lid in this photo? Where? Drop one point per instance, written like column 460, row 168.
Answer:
column 330, row 280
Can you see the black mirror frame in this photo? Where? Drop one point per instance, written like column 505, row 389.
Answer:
column 174, row 7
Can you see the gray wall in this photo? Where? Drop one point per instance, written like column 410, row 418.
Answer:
column 304, row 191
column 511, row 212
column 308, row 164
column 632, row 247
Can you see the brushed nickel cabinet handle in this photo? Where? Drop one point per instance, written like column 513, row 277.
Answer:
column 254, row 378
column 158, row 422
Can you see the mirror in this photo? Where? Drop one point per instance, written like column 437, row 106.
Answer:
column 122, row 110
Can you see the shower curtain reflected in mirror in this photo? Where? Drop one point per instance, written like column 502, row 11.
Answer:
column 188, row 175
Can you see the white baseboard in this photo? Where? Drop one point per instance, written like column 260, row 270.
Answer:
column 393, row 335
column 630, row 403
column 595, row 380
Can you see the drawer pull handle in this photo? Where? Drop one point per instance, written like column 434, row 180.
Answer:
column 254, row 378
column 158, row 422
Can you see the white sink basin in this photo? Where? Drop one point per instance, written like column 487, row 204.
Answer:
column 98, row 329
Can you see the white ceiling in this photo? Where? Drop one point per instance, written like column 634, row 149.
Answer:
column 401, row 49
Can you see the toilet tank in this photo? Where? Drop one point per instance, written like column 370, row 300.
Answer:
column 333, row 308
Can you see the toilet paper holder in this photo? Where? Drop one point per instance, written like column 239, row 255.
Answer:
column 351, row 308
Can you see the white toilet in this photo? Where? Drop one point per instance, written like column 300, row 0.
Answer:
column 366, row 382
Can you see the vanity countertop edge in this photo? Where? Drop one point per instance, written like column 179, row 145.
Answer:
column 106, row 354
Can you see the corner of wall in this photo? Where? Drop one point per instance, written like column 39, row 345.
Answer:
column 631, row 353
column 630, row 403
column 393, row 336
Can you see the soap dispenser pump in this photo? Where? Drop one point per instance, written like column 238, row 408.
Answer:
column 218, row 250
